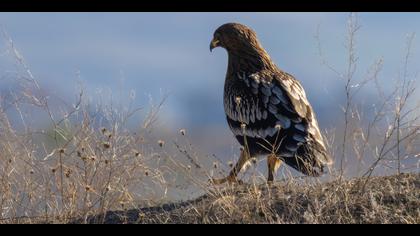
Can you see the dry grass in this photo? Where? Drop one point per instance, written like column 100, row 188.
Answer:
column 88, row 165
column 392, row 199
column 388, row 200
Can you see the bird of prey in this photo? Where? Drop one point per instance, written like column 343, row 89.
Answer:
column 266, row 108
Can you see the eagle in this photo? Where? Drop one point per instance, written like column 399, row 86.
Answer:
column 266, row 108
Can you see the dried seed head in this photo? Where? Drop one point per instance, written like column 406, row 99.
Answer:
column 61, row 151
column 238, row 100
column 53, row 170
column 182, row 131
column 106, row 145
column 106, row 162
column 243, row 126
column 93, row 158
column 31, row 172
column 254, row 160
column 215, row 165
column 79, row 154
column 132, row 94
column 188, row 167
column 67, row 173
column 146, row 173
column 136, row 153
column 88, row 188
column 277, row 127
column 230, row 164
column 103, row 130
column 161, row 143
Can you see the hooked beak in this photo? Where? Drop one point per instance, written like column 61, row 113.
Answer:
column 214, row 43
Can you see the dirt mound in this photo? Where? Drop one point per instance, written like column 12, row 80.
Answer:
column 389, row 199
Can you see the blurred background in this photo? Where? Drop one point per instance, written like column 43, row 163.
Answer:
column 118, row 56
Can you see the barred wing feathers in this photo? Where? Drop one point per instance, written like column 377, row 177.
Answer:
column 276, row 117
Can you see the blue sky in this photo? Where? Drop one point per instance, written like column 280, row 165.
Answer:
column 169, row 52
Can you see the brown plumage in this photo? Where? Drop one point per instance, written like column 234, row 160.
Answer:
column 266, row 108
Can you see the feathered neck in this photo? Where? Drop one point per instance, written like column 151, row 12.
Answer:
column 249, row 59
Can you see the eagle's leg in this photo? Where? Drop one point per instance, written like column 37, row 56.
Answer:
column 273, row 164
column 231, row 178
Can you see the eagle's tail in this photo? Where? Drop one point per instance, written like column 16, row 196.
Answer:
column 311, row 159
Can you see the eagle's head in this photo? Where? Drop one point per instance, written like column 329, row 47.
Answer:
column 235, row 37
